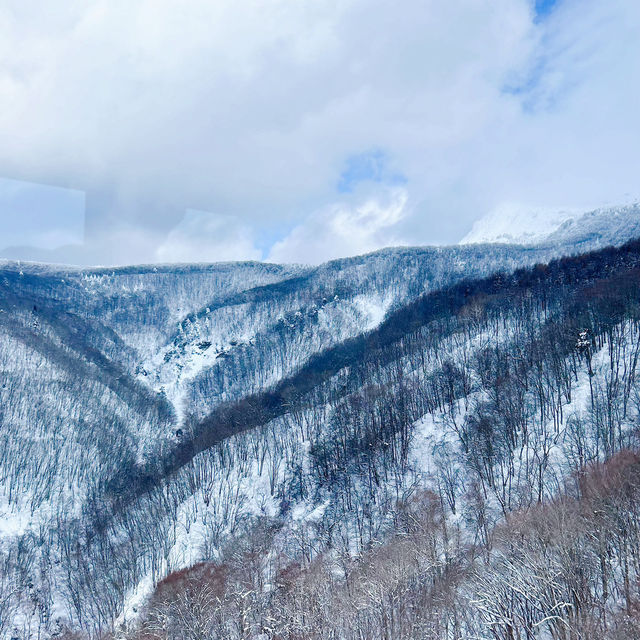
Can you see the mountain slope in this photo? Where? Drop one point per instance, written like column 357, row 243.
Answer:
column 400, row 494
column 572, row 229
column 151, row 416
column 514, row 224
column 480, row 394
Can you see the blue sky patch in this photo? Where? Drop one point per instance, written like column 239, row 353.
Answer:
column 370, row 166
column 544, row 7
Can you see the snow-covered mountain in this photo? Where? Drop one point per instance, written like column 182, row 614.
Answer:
column 571, row 228
column 601, row 227
column 151, row 416
column 516, row 224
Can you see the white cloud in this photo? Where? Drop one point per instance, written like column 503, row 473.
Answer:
column 253, row 107
column 207, row 237
column 40, row 216
column 344, row 229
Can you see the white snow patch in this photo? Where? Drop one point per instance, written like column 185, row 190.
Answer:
column 373, row 308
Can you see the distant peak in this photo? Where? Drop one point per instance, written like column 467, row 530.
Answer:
column 513, row 223
column 611, row 225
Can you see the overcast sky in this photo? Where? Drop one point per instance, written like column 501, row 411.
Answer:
column 302, row 130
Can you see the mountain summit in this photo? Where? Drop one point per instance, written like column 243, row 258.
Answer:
column 515, row 224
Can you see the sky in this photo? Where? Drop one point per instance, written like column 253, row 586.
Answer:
column 300, row 131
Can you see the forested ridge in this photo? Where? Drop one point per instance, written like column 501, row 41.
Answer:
column 571, row 277
column 394, row 446
column 528, row 524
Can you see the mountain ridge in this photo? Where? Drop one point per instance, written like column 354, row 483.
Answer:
column 297, row 390
column 552, row 227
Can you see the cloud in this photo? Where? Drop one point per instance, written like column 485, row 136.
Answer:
column 207, row 237
column 39, row 216
column 247, row 107
column 268, row 110
column 344, row 229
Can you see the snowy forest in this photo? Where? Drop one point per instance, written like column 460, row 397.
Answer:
column 419, row 443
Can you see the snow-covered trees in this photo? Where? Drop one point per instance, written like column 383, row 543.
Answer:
column 429, row 476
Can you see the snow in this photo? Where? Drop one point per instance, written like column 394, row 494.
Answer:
column 13, row 521
column 428, row 432
column 373, row 309
column 570, row 227
column 173, row 369
column 247, row 493
column 135, row 602
column 519, row 224
column 307, row 511
column 17, row 517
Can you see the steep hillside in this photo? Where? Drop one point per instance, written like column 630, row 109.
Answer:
column 153, row 417
column 440, row 477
